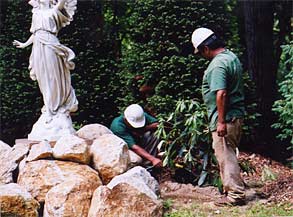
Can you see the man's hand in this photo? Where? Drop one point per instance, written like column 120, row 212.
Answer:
column 221, row 129
column 151, row 127
column 156, row 162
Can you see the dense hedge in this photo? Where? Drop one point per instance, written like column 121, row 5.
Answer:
column 284, row 106
column 20, row 97
column 94, row 78
column 113, row 41
column 161, row 50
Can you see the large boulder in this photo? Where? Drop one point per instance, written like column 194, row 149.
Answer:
column 110, row 156
column 72, row 148
column 4, row 149
column 16, row 201
column 40, row 151
column 135, row 159
column 92, row 131
column 38, row 177
column 139, row 178
column 124, row 201
column 10, row 159
column 70, row 198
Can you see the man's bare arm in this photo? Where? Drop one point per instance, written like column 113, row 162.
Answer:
column 221, row 107
column 143, row 153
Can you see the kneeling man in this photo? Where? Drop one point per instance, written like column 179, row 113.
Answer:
column 137, row 128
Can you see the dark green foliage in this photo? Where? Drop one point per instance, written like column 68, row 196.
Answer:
column 20, row 100
column 252, row 118
column 90, row 36
column 284, row 106
column 186, row 142
column 187, row 134
column 94, row 77
column 114, row 41
column 161, row 50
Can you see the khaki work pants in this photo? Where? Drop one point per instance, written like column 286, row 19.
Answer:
column 225, row 148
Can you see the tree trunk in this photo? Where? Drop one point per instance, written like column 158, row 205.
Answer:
column 258, row 21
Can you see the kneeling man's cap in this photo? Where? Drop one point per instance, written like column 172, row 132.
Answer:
column 134, row 115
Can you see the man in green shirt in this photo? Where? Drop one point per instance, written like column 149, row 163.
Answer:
column 136, row 128
column 222, row 91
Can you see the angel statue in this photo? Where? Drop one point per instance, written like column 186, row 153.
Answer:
column 50, row 64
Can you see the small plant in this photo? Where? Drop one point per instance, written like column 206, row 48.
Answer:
column 167, row 204
column 187, row 141
column 247, row 167
column 267, row 174
column 76, row 125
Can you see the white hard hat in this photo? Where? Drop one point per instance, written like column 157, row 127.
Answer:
column 134, row 115
column 199, row 35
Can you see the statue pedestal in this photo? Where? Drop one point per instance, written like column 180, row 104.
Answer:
column 51, row 128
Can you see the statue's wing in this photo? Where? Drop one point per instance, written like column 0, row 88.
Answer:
column 34, row 4
column 70, row 8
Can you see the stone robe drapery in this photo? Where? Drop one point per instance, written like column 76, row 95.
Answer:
column 51, row 62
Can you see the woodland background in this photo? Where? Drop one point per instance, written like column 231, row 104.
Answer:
column 122, row 46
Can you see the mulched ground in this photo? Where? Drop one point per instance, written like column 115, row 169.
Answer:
column 278, row 190
column 267, row 179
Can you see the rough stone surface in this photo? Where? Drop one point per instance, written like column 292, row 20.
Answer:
column 16, row 201
column 38, row 177
column 40, row 151
column 139, row 178
column 124, row 201
column 70, row 198
column 134, row 159
column 9, row 162
column 72, row 148
column 92, row 131
column 110, row 156
column 4, row 149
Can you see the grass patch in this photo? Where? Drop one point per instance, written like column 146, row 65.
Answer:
column 255, row 210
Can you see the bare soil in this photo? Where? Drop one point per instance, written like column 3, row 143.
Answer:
column 277, row 188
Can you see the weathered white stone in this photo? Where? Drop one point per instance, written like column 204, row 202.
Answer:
column 38, row 177
column 19, row 151
column 72, row 148
column 70, row 198
column 92, row 131
column 124, row 201
column 139, row 178
column 9, row 162
column 40, row 151
column 110, row 156
column 16, row 201
column 4, row 149
column 135, row 159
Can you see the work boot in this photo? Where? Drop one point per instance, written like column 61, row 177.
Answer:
column 225, row 201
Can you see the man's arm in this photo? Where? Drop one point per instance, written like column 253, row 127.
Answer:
column 221, row 107
column 143, row 153
column 151, row 127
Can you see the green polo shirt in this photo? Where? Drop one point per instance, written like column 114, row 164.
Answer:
column 120, row 129
column 223, row 72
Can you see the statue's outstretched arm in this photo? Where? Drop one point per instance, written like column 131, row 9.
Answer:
column 19, row 44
